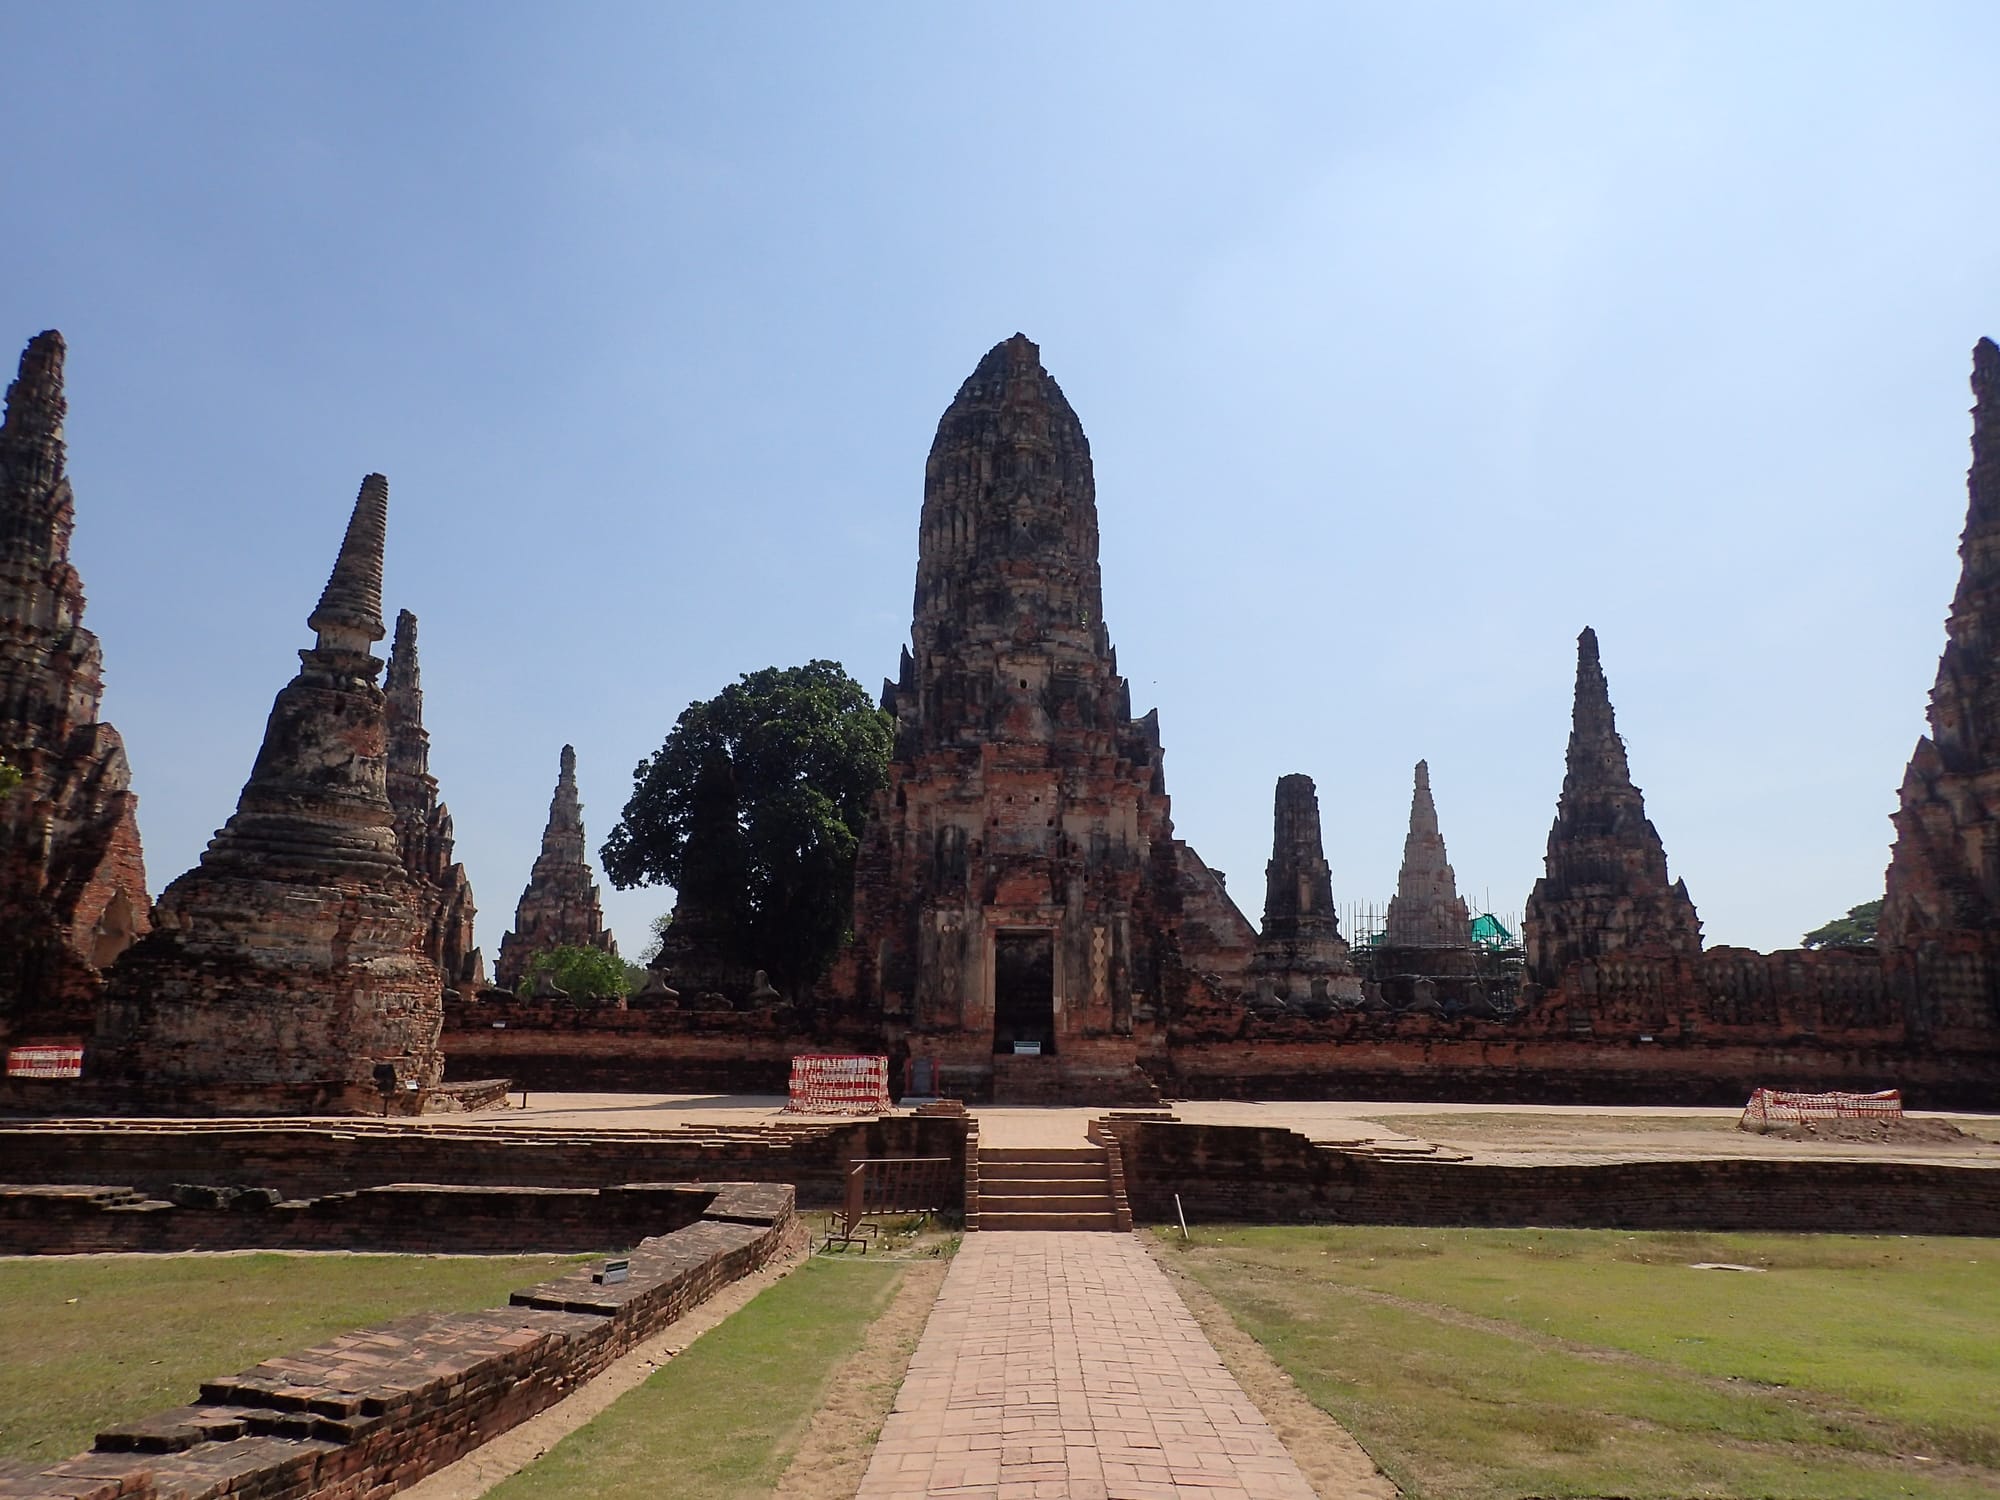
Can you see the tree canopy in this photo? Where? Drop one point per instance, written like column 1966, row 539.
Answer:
column 9, row 777
column 753, row 809
column 579, row 971
column 1856, row 929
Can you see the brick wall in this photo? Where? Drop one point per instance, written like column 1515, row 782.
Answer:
column 313, row 1161
column 1242, row 1174
column 370, row 1413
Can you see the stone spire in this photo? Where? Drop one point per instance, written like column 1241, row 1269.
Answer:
column 423, row 823
column 349, row 615
column 1606, row 889
column 1007, row 562
column 560, row 907
column 318, row 799
column 72, row 877
column 289, row 966
column 1300, row 953
column 1944, row 872
column 1426, row 911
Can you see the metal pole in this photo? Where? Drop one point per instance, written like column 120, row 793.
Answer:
column 1181, row 1213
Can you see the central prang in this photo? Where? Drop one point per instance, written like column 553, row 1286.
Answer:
column 1020, row 895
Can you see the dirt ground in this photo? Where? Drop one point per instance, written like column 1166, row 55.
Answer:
column 1519, row 1134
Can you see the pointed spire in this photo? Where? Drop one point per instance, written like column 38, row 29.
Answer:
column 1606, row 888
column 1426, row 911
column 35, row 402
column 404, row 674
column 563, row 837
column 1596, row 756
column 349, row 616
column 1984, row 480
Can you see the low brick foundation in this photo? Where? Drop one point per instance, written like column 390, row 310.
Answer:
column 301, row 1160
column 369, row 1413
column 1243, row 1174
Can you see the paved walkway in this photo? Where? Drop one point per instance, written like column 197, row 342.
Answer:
column 1065, row 1366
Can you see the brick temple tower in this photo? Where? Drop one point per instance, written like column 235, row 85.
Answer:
column 1606, row 890
column 1940, row 926
column 1301, row 957
column 560, row 906
column 1020, row 899
column 423, row 823
column 286, row 973
column 72, row 878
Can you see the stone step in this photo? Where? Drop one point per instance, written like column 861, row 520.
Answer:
column 1045, row 1189
column 1004, row 1203
column 1046, row 1171
column 1104, row 1222
column 1040, row 1154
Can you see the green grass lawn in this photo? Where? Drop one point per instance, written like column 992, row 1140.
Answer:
column 89, row 1341
column 1482, row 1364
column 721, row 1421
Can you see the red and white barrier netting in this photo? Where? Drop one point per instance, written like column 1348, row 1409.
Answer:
column 823, row 1084
column 1772, row 1107
column 46, row 1060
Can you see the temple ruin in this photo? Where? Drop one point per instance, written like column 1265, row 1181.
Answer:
column 1019, row 895
column 72, row 876
column 1426, row 911
column 559, row 907
column 1606, row 890
column 1943, row 903
column 1301, row 957
column 423, row 823
column 287, row 971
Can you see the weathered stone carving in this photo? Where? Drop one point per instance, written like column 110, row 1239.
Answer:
column 1606, row 889
column 1301, row 956
column 560, row 906
column 289, row 965
column 423, row 823
column 72, row 877
column 1426, row 911
column 1942, row 908
column 1020, row 880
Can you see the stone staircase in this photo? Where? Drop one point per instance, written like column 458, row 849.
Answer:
column 1049, row 1188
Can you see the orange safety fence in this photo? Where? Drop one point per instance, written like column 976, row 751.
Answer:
column 827, row 1084
column 1768, row 1106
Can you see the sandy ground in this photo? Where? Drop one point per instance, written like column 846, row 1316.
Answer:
column 1497, row 1132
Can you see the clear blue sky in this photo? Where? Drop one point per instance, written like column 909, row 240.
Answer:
column 1409, row 340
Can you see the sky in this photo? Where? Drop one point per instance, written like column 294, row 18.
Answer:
column 1409, row 340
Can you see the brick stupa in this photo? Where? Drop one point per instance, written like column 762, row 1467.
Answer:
column 1301, row 957
column 1022, row 908
column 287, row 970
column 560, row 907
column 72, row 876
column 1942, row 910
column 1426, row 911
column 1606, row 890
column 423, row 823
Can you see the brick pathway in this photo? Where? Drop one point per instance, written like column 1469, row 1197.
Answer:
column 1064, row 1365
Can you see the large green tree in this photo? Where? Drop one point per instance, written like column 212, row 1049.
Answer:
column 752, row 810
column 579, row 972
column 1856, row 929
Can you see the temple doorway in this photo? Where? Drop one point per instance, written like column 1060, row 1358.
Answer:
column 1024, row 992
